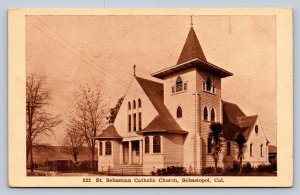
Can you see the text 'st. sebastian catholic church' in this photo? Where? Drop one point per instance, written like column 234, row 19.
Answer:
column 167, row 123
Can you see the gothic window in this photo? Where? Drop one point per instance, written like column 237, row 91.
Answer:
column 129, row 106
column 140, row 103
column 140, row 121
column 107, row 148
column 179, row 112
column 208, row 84
column 205, row 114
column 178, row 84
column 256, row 129
column 261, row 150
column 100, row 148
column 156, row 144
column 147, row 144
column 134, row 122
column 129, row 122
column 228, row 148
column 251, row 148
column 134, row 104
column 209, row 145
column 213, row 115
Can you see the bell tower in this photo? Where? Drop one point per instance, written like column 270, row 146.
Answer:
column 192, row 94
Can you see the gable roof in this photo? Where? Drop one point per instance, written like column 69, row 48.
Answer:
column 109, row 133
column 191, row 49
column 164, row 121
column 235, row 121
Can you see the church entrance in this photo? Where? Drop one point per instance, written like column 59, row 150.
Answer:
column 132, row 152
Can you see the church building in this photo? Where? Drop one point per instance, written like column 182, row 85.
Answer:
column 167, row 123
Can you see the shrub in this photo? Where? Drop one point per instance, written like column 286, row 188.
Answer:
column 265, row 168
column 247, row 168
column 211, row 170
column 169, row 171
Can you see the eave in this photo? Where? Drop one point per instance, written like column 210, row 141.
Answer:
column 198, row 63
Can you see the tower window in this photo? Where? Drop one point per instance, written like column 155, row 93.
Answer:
column 213, row 115
column 139, row 103
column 208, row 84
column 156, row 144
column 205, row 114
column 256, row 129
column 179, row 112
column 134, row 104
column 178, row 84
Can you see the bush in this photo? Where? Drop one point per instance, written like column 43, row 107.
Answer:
column 211, row 170
column 247, row 168
column 235, row 167
column 265, row 168
column 169, row 171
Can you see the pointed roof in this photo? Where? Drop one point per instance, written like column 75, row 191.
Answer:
column 109, row 133
column 191, row 49
column 164, row 121
column 235, row 121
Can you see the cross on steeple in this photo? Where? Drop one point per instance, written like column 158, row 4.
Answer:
column 134, row 66
column 191, row 20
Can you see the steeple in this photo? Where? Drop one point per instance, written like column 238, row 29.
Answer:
column 192, row 48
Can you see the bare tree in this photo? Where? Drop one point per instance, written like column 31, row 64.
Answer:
column 73, row 140
column 89, row 114
column 38, row 120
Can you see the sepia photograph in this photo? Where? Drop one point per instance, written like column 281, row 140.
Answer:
column 115, row 97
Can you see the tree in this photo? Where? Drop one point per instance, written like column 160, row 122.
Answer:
column 114, row 111
column 217, row 141
column 89, row 114
column 73, row 140
column 240, row 142
column 38, row 120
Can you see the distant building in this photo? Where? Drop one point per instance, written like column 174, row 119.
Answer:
column 167, row 124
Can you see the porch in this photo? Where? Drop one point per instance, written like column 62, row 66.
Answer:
column 131, row 152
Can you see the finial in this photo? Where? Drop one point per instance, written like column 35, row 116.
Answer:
column 191, row 20
column 134, row 66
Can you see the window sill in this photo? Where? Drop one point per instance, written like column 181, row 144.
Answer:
column 178, row 92
column 209, row 92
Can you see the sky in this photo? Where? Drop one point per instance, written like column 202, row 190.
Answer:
column 73, row 50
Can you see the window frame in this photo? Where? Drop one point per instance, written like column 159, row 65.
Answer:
column 179, row 111
column 108, row 150
column 139, row 103
column 251, row 149
column 156, row 144
column 147, row 144
column 213, row 115
column 178, row 84
column 205, row 113
column 100, row 148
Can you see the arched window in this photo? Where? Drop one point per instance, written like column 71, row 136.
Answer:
column 129, row 106
column 256, row 129
column 134, row 104
column 140, row 103
column 261, row 149
column 147, row 144
column 107, row 148
column 129, row 122
column 251, row 149
column 100, row 148
column 178, row 84
column 179, row 112
column 205, row 114
column 140, row 121
column 212, row 115
column 208, row 83
column 156, row 144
